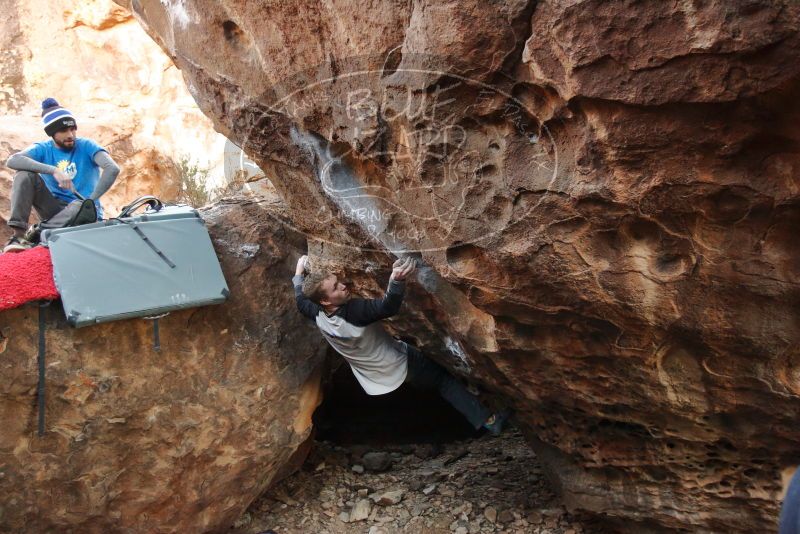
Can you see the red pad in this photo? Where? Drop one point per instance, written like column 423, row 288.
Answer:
column 26, row 276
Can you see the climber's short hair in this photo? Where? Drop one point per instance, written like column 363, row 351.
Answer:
column 312, row 285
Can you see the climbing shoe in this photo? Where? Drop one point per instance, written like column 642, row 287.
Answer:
column 17, row 244
column 497, row 422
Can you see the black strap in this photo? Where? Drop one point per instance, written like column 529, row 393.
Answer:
column 156, row 338
column 42, row 347
column 149, row 243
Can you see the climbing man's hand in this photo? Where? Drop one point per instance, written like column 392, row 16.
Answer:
column 64, row 181
column 403, row 268
column 302, row 265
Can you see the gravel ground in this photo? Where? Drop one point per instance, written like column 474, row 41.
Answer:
column 483, row 484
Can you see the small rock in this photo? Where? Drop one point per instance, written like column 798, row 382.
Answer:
column 534, row 518
column 377, row 461
column 360, row 511
column 363, row 492
column 415, row 485
column 490, row 513
column 357, row 451
column 429, row 489
column 505, row 516
column 569, row 531
column 390, row 498
column 461, row 530
column 427, row 450
column 344, row 517
column 446, row 491
column 357, row 468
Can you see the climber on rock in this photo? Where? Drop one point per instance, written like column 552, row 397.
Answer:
column 379, row 362
column 50, row 173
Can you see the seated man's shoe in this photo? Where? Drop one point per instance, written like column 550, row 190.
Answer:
column 17, row 244
column 497, row 422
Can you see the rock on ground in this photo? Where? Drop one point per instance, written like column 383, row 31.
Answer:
column 497, row 474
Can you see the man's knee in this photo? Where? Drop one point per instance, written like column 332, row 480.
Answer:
column 23, row 178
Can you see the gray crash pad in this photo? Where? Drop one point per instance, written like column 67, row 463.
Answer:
column 135, row 267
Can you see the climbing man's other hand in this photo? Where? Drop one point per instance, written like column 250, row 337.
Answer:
column 302, row 265
column 64, row 181
column 402, row 268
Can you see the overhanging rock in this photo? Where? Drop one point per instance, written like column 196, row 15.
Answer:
column 605, row 196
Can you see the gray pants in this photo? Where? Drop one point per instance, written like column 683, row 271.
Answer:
column 29, row 191
column 425, row 373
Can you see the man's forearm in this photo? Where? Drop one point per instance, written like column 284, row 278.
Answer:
column 107, row 177
column 21, row 162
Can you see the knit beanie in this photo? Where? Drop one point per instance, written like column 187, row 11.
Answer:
column 55, row 118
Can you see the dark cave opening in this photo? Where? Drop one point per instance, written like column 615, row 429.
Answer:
column 348, row 416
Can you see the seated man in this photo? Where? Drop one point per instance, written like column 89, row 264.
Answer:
column 50, row 172
column 379, row 362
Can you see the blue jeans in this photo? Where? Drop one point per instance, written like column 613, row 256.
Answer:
column 424, row 373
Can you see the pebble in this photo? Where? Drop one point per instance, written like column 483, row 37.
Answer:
column 390, row 498
column 496, row 488
column 505, row 516
column 446, row 491
column 377, row 462
column 490, row 513
column 534, row 518
column 360, row 511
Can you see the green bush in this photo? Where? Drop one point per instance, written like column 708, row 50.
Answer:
column 194, row 183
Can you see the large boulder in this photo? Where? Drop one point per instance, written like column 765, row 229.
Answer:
column 180, row 440
column 605, row 197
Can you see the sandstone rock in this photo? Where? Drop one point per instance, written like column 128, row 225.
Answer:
column 506, row 516
column 390, row 498
column 427, row 450
column 209, row 422
column 360, row 511
column 604, row 198
column 490, row 513
column 377, row 461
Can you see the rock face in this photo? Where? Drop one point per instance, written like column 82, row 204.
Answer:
column 125, row 92
column 605, row 197
column 180, row 440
